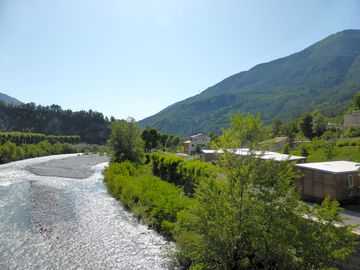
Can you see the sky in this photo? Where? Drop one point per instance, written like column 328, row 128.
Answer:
column 135, row 57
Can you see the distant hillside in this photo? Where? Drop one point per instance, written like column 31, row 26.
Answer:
column 91, row 126
column 325, row 75
column 9, row 100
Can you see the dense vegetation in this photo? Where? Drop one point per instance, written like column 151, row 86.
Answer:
column 317, row 137
column 247, row 216
column 151, row 199
column 9, row 151
column 154, row 140
column 176, row 170
column 91, row 126
column 20, row 138
column 324, row 76
column 9, row 100
column 126, row 142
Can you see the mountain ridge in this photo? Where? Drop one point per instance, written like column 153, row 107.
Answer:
column 324, row 75
column 9, row 100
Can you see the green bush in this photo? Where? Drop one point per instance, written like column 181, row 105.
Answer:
column 183, row 173
column 151, row 199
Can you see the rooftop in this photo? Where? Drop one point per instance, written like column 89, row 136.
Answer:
column 262, row 154
column 335, row 167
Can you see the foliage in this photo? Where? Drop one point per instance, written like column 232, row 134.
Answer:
column 151, row 199
column 125, row 141
column 356, row 102
column 9, row 151
column 253, row 218
column 91, row 126
column 183, row 173
column 153, row 139
column 276, row 127
column 318, row 124
column 351, row 131
column 20, row 138
column 306, row 125
column 304, row 151
column 324, row 76
column 335, row 149
column 245, row 131
column 329, row 149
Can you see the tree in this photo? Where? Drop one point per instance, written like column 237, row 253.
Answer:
column 245, row 131
column 253, row 218
column 318, row 124
column 126, row 142
column 151, row 138
column 329, row 149
column 304, row 151
column 356, row 101
column 305, row 125
column 276, row 127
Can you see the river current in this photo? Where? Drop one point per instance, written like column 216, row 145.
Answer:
column 63, row 223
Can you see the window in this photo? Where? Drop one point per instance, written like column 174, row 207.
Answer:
column 350, row 181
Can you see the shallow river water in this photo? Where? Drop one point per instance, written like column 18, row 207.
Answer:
column 63, row 223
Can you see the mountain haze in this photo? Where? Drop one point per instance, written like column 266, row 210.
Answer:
column 9, row 100
column 324, row 76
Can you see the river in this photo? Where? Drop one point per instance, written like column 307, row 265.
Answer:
column 52, row 222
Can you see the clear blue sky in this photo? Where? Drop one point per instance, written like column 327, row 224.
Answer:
column 135, row 57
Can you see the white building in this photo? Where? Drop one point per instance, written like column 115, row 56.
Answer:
column 199, row 140
column 209, row 155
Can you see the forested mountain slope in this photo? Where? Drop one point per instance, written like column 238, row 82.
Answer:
column 324, row 76
column 91, row 126
column 9, row 100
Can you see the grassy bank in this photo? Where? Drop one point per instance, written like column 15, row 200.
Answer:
column 319, row 150
column 154, row 201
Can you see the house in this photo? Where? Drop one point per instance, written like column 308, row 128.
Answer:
column 333, row 179
column 198, row 141
column 210, row 155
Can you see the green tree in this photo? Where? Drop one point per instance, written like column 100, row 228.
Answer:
column 305, row 125
column 290, row 129
column 318, row 124
column 356, row 101
column 151, row 138
column 126, row 142
column 245, row 131
column 304, row 151
column 253, row 218
column 329, row 149
column 276, row 127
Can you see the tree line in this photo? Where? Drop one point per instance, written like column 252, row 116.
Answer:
column 91, row 126
column 20, row 138
column 9, row 151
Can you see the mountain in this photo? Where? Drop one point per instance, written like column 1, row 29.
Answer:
column 9, row 100
column 324, row 76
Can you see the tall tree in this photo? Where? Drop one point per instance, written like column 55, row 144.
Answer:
column 276, row 127
column 126, row 142
column 151, row 138
column 318, row 124
column 305, row 125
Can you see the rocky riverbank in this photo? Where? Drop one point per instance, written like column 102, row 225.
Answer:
column 78, row 167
